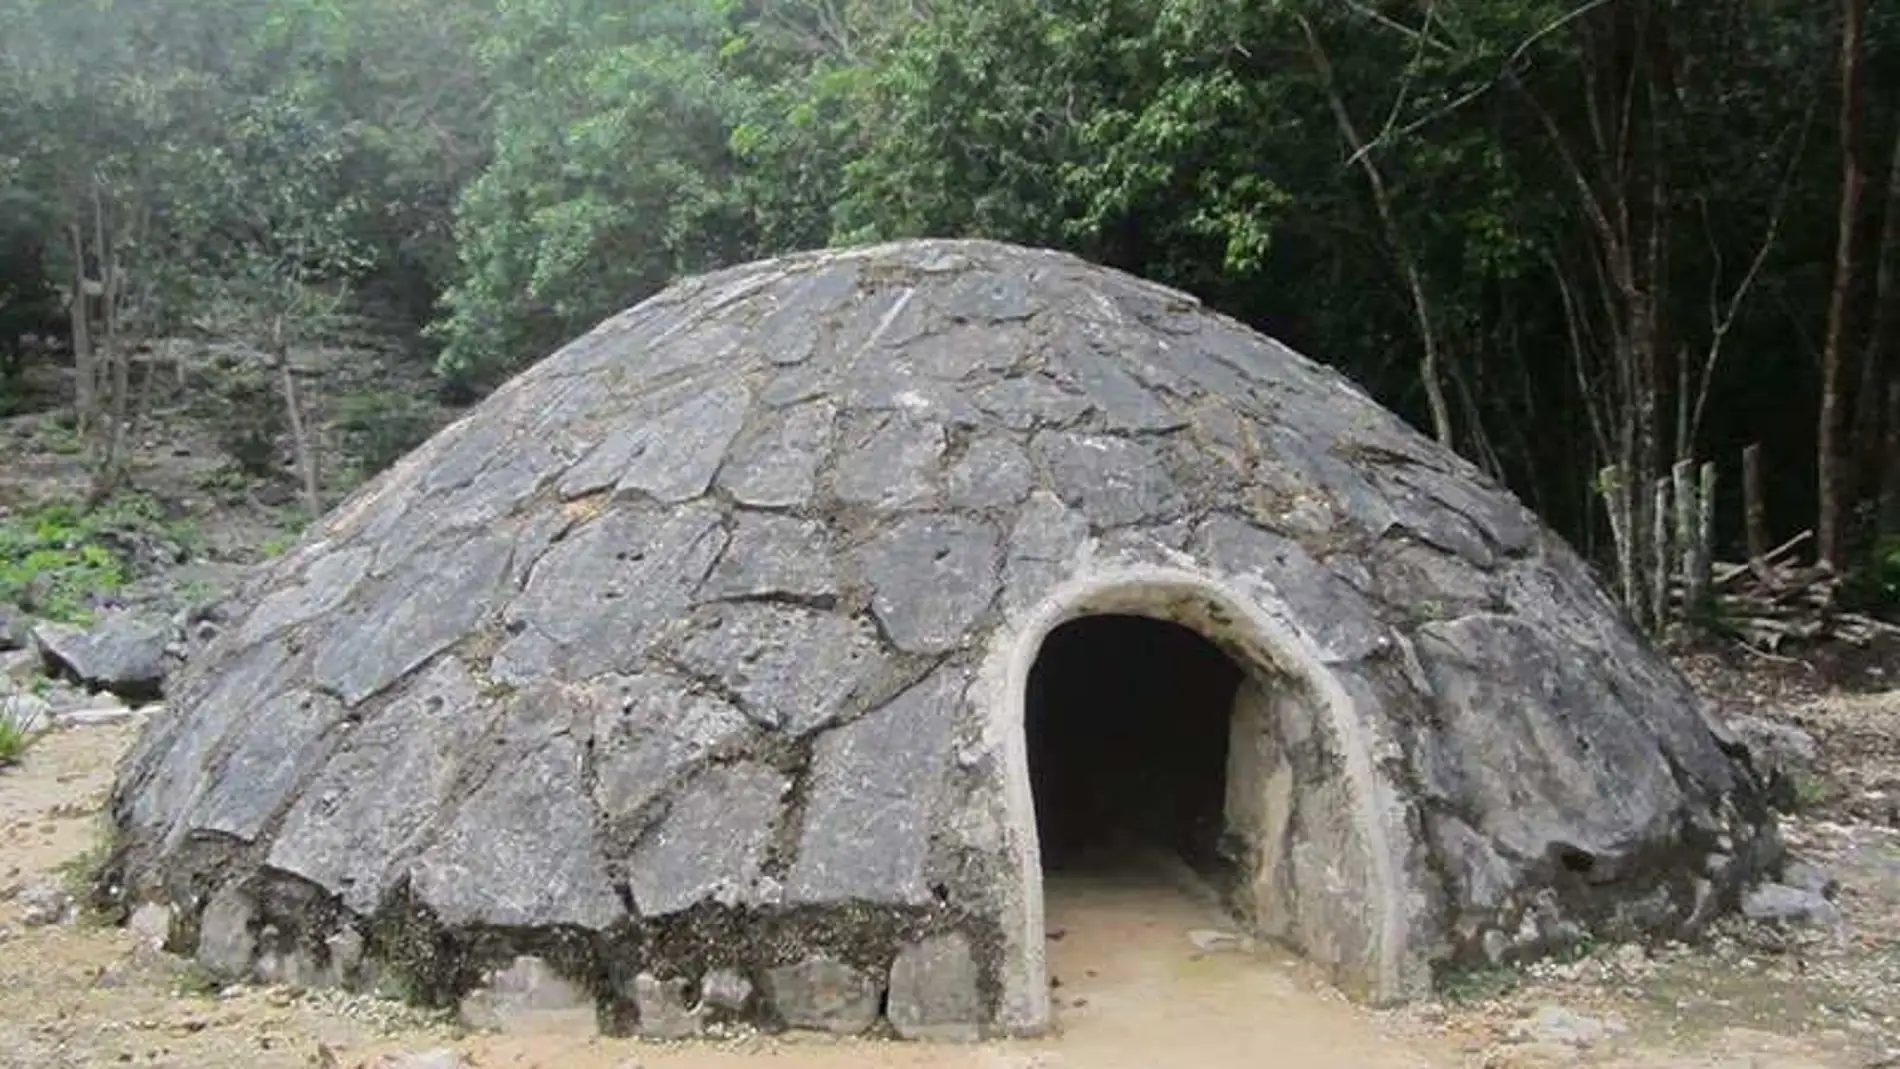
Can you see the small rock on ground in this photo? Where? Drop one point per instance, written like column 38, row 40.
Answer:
column 1566, row 1027
column 1212, row 941
column 44, row 903
column 1782, row 753
column 1776, row 903
column 440, row 1058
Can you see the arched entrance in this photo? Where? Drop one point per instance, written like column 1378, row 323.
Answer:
column 1341, row 908
column 1127, row 722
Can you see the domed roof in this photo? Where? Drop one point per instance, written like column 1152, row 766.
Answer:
column 703, row 641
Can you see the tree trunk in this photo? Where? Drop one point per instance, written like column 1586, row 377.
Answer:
column 117, row 356
column 85, row 400
column 1429, row 364
column 1622, row 193
column 1873, row 457
column 1830, row 525
column 1890, row 480
column 299, row 435
column 1754, row 508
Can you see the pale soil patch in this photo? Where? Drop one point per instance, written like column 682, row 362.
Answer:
column 1134, row 990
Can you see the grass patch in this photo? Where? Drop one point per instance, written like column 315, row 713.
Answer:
column 392, row 985
column 13, row 743
column 82, row 875
column 1809, row 792
column 1468, row 984
column 195, row 981
column 54, row 560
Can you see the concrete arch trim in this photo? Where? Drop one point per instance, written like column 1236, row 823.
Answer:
column 1235, row 615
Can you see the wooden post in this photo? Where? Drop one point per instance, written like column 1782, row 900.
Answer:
column 1696, row 584
column 1684, row 475
column 1659, row 559
column 1755, row 515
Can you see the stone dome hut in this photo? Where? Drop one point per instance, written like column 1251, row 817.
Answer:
column 757, row 651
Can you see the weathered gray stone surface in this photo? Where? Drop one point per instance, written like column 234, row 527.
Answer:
column 711, row 844
column 649, row 732
column 824, row 995
column 789, row 668
column 151, row 927
column 934, row 991
column 665, row 1007
column 44, row 902
column 123, row 653
column 725, row 990
column 494, row 863
column 16, row 630
column 932, row 576
column 693, row 643
column 877, row 788
column 529, row 996
column 227, row 943
column 1784, row 755
column 1776, row 903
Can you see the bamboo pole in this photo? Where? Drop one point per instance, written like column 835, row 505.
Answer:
column 1659, row 559
column 1617, row 506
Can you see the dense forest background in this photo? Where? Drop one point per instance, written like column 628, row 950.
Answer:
column 1563, row 237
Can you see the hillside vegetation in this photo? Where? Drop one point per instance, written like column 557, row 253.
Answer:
column 1578, row 240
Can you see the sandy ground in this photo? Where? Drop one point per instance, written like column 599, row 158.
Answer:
column 1134, row 991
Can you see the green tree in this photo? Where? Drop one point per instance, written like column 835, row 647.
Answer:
column 612, row 174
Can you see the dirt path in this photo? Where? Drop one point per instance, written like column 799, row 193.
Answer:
column 1135, row 991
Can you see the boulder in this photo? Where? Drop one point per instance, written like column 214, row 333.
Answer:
column 1784, row 755
column 123, row 653
column 731, row 635
column 665, row 1007
column 16, row 630
column 18, row 666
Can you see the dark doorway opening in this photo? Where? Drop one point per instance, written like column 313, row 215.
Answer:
column 1127, row 720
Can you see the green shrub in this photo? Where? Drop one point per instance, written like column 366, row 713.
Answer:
column 1467, row 984
column 1875, row 585
column 53, row 560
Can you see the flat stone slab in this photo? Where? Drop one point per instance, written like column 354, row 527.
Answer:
column 711, row 845
column 877, row 789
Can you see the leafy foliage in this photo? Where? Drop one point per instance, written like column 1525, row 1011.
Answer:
column 55, row 560
column 1608, row 223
